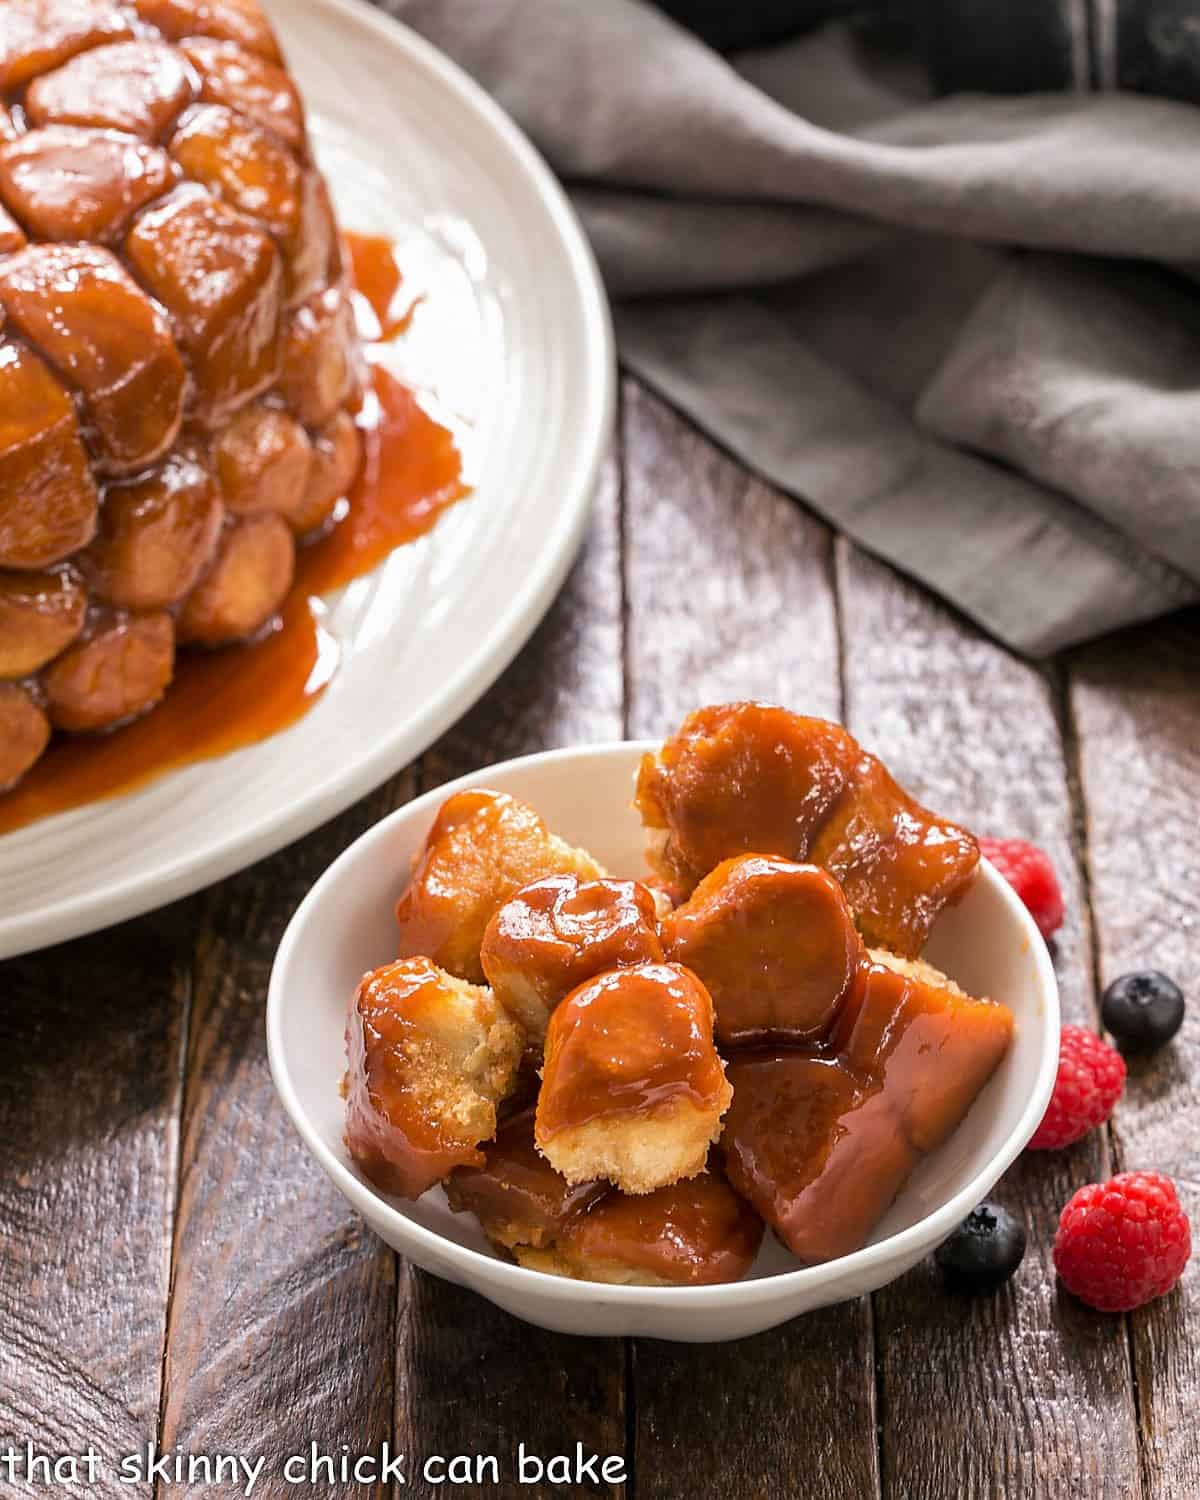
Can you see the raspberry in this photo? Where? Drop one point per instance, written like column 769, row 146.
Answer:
column 1124, row 1242
column 1029, row 871
column 1091, row 1075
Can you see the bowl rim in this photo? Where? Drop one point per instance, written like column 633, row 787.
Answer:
column 473, row 1264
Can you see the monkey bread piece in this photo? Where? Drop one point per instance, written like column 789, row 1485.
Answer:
column 245, row 586
column 65, row 182
column 24, row 732
column 219, row 275
column 263, row 460
column 429, row 1059
column 816, row 1152
column 632, row 1088
column 933, row 1046
column 115, row 671
column 336, row 462
column 240, row 21
column 138, row 88
column 694, row 1233
column 822, row 1145
column 774, row 944
column 517, row 1196
column 48, row 498
column 750, row 778
column 248, row 83
column 319, row 358
column 38, row 35
column 103, row 335
column 482, row 848
column 557, row 932
column 40, row 615
column 157, row 535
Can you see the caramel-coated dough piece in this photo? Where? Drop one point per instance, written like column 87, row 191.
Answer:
column 264, row 459
column 84, row 312
column 632, row 1088
column 248, row 83
column 243, row 163
column 240, row 21
column 40, row 615
column 775, row 945
column 134, row 87
column 821, row 1146
column 319, row 357
column 157, row 535
column 694, row 1233
column 817, row 1152
column 750, row 778
column 482, row 848
column 246, row 584
column 218, row 273
column 47, row 495
column 933, row 1045
column 430, row 1057
column 337, row 455
column 558, row 932
column 517, row 1196
column 116, row 671
column 64, row 182
column 37, row 35
column 24, row 732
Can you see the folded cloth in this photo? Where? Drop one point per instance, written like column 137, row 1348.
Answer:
column 964, row 330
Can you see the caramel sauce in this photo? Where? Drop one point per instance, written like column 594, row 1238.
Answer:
column 226, row 699
column 628, row 1042
column 377, row 279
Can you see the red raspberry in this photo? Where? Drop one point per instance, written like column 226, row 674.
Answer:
column 1124, row 1242
column 1091, row 1075
column 1029, row 871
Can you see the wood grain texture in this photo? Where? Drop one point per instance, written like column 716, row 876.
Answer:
column 91, row 1050
column 282, row 1305
column 1136, row 706
column 1032, row 1394
column 470, row 1378
column 729, row 594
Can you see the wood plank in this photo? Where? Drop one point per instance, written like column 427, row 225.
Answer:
column 1032, row 1394
column 730, row 595
column 1136, row 703
column 470, row 1378
column 283, row 1303
column 91, row 1048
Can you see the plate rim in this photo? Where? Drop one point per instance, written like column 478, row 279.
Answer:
column 468, row 680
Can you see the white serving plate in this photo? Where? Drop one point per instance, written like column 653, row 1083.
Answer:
column 513, row 349
column 346, row 925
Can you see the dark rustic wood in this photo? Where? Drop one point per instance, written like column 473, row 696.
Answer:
column 91, row 1045
column 282, row 1301
column 1136, row 704
column 730, row 595
column 470, row 1379
column 1024, row 1394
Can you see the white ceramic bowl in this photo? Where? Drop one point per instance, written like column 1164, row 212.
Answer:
column 346, row 925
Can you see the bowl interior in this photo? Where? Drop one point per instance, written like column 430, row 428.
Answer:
column 347, row 926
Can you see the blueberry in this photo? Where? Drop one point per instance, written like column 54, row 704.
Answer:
column 983, row 1252
column 1143, row 1010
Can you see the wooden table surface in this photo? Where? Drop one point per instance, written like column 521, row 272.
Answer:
column 175, row 1268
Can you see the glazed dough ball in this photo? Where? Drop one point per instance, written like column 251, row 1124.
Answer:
column 632, row 1088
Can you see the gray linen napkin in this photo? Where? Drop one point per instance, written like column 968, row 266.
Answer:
column 964, row 330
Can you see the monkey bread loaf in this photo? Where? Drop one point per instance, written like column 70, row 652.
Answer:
column 178, row 358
